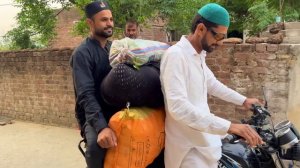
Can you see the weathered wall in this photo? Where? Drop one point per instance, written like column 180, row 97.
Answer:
column 154, row 31
column 67, row 18
column 246, row 68
column 294, row 93
column 36, row 85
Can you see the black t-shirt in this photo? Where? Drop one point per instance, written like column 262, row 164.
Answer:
column 90, row 64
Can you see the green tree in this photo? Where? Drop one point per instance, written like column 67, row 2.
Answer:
column 141, row 10
column 287, row 9
column 260, row 14
column 36, row 21
column 21, row 38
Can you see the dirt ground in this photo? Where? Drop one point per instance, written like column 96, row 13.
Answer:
column 28, row 145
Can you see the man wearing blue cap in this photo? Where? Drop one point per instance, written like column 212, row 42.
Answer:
column 90, row 65
column 192, row 132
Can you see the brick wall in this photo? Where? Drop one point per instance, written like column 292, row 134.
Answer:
column 67, row 18
column 154, row 31
column 65, row 23
column 36, row 85
column 246, row 68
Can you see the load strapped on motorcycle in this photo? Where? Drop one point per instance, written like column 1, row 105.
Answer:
column 281, row 142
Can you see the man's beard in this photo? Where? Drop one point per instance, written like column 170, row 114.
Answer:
column 103, row 33
column 205, row 46
column 132, row 36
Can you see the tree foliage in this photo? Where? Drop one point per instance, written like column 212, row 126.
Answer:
column 260, row 14
column 141, row 10
column 256, row 15
column 36, row 21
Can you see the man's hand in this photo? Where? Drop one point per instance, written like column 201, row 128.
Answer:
column 107, row 138
column 249, row 101
column 248, row 133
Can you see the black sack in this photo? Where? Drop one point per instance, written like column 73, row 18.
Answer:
column 139, row 87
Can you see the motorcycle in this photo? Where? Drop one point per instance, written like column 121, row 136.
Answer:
column 281, row 143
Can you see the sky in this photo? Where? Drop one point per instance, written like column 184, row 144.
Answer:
column 7, row 16
column 8, row 12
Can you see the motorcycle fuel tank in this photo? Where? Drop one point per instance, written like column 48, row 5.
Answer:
column 235, row 155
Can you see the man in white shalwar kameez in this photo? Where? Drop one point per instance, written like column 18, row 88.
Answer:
column 192, row 132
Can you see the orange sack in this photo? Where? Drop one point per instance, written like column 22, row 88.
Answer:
column 140, row 137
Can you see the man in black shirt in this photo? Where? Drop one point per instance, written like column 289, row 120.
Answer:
column 90, row 65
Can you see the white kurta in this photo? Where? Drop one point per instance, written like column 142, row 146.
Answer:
column 186, row 81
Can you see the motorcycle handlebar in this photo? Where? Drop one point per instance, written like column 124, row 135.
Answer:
column 259, row 114
column 230, row 138
column 257, row 109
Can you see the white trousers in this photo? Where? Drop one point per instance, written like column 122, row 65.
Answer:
column 195, row 159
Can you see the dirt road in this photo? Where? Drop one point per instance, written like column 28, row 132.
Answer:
column 27, row 145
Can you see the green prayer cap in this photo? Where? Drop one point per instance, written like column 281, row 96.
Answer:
column 215, row 13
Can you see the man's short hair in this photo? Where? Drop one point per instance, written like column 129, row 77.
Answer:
column 132, row 21
column 199, row 19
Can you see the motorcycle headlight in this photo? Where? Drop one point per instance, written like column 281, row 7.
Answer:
column 286, row 138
